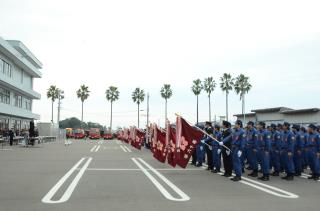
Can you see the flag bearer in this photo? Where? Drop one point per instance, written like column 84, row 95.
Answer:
column 226, row 154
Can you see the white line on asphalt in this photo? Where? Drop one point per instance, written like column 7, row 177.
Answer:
column 6, row 149
column 164, row 192
column 65, row 197
column 268, row 188
column 96, row 150
column 306, row 176
column 165, row 169
column 93, row 148
column 123, row 148
column 129, row 150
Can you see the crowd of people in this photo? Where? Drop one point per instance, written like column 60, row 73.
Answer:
column 274, row 148
column 11, row 134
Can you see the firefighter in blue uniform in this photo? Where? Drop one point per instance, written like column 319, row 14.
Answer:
column 216, row 150
column 304, row 137
column 251, row 148
column 298, row 150
column 238, row 143
column 275, row 150
column 264, row 146
column 313, row 151
column 287, row 150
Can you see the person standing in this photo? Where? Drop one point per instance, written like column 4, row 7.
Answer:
column 264, row 146
column 208, row 145
column 299, row 147
column 287, row 150
column 237, row 142
column 216, row 150
column 11, row 136
column 313, row 152
column 251, row 148
column 275, row 150
column 226, row 154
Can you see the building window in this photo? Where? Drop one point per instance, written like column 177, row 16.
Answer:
column 5, row 68
column 17, row 100
column 4, row 96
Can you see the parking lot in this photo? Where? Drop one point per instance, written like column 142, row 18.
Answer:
column 110, row 175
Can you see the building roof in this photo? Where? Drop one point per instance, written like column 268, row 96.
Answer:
column 247, row 114
column 299, row 111
column 21, row 59
column 275, row 109
column 19, row 46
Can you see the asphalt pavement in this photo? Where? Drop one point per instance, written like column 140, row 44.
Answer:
column 110, row 175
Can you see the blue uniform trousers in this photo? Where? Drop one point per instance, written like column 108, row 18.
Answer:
column 264, row 158
column 287, row 162
column 216, row 158
column 236, row 160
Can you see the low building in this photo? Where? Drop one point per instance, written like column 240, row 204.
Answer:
column 276, row 115
column 18, row 68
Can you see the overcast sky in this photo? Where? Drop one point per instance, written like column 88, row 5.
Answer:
column 148, row 43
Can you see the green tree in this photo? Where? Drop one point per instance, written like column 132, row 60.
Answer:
column 166, row 93
column 83, row 94
column 242, row 87
column 53, row 94
column 209, row 85
column 196, row 89
column 138, row 97
column 226, row 84
column 112, row 94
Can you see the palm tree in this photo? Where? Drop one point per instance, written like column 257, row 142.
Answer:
column 209, row 85
column 242, row 86
column 196, row 89
column 112, row 94
column 53, row 94
column 166, row 93
column 83, row 94
column 226, row 84
column 138, row 97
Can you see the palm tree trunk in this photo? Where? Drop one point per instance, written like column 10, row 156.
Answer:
column 210, row 108
column 138, row 115
column 81, row 111
column 111, row 119
column 197, row 109
column 243, row 109
column 166, row 111
column 227, row 107
column 52, row 111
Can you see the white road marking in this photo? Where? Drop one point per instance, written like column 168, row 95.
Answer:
column 65, row 197
column 164, row 169
column 96, row 150
column 306, row 176
column 129, row 150
column 93, row 148
column 123, row 148
column 267, row 188
column 6, row 149
column 164, row 192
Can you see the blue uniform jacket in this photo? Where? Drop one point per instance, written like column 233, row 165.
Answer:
column 264, row 140
column 237, row 137
column 276, row 140
column 251, row 138
column 288, row 140
column 218, row 136
column 299, row 143
column 313, row 141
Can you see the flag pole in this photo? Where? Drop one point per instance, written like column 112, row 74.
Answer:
column 204, row 132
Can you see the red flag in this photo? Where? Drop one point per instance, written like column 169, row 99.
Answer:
column 160, row 151
column 187, row 140
column 139, row 136
column 171, row 143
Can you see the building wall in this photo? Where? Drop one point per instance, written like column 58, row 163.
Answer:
column 304, row 118
column 270, row 117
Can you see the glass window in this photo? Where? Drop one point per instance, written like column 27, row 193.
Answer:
column 5, row 68
column 1, row 66
column 4, row 96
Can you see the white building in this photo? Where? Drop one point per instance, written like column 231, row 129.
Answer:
column 276, row 115
column 18, row 68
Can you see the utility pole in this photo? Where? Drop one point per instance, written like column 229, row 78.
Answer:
column 148, row 118
column 60, row 97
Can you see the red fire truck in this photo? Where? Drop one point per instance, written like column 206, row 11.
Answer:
column 94, row 133
column 79, row 133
